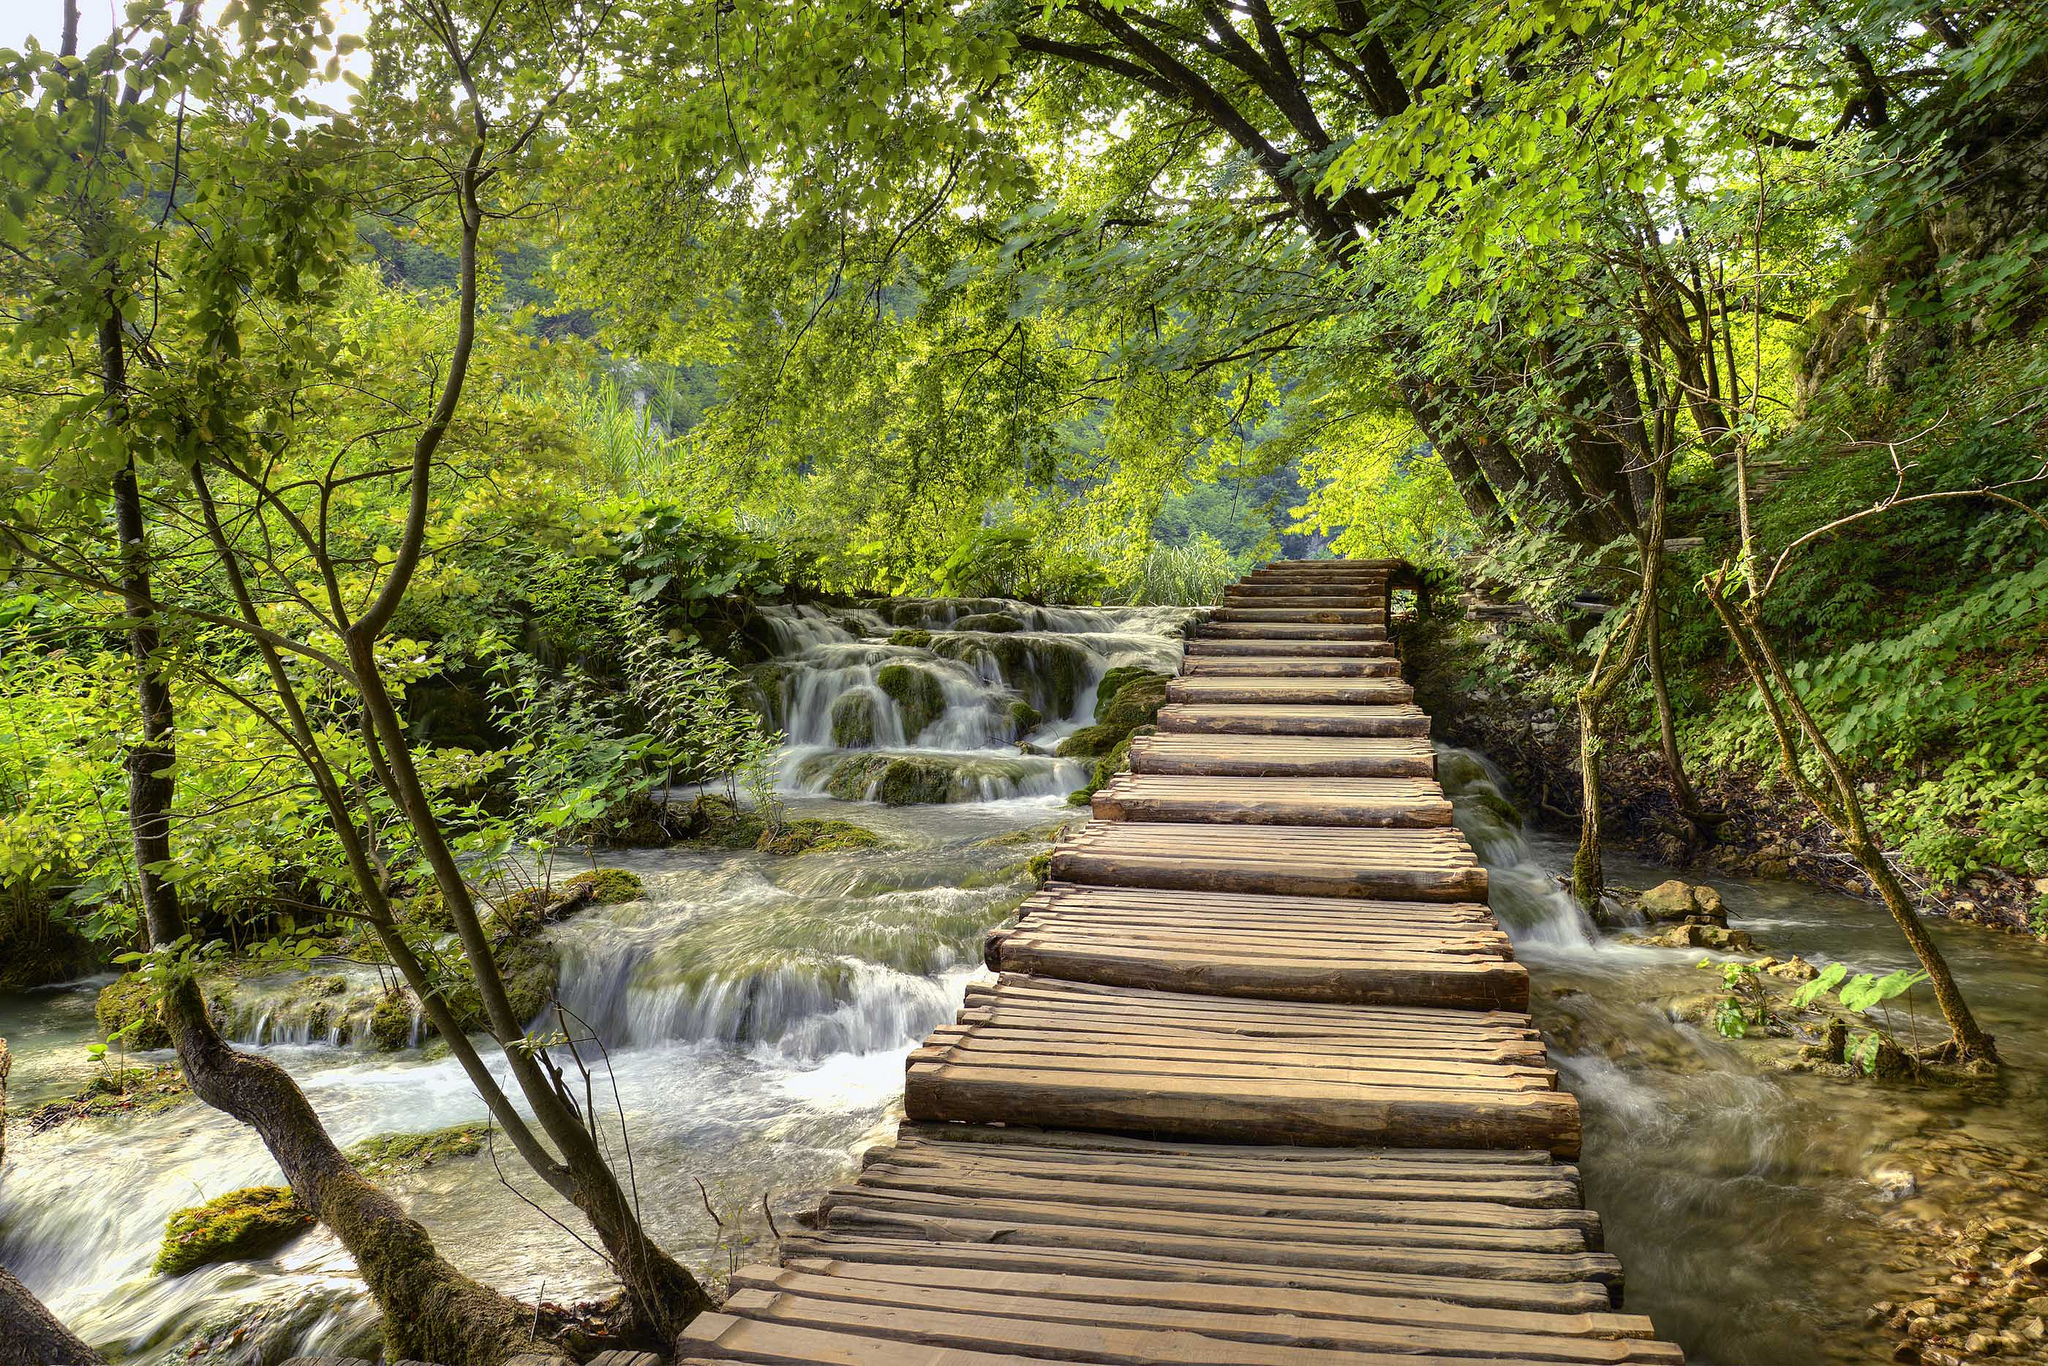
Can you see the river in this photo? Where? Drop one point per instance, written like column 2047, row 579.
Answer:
column 758, row 1009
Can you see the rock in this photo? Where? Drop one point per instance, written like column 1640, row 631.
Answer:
column 1089, row 742
column 1692, row 936
column 1981, row 1345
column 387, row 1154
column 919, row 697
column 391, row 1022
column 237, row 1226
column 1024, row 718
column 853, row 721
column 608, row 886
column 1772, row 867
column 989, row 621
column 1896, row 1182
column 128, row 1006
column 916, row 640
column 1683, row 901
column 1793, row 969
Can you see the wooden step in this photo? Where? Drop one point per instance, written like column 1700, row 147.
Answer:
column 1234, row 688
column 1288, row 630
column 1283, row 860
column 1334, row 616
column 1289, row 666
column 1253, row 719
column 1257, row 1090
column 1379, row 802
column 1278, row 948
column 1282, row 756
column 1252, row 594
column 1205, row 647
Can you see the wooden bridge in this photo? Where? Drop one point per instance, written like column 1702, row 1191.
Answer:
column 1255, row 1082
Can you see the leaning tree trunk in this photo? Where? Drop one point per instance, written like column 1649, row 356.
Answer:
column 431, row 1310
column 1842, row 806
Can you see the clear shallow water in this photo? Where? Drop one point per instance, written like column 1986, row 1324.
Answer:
column 1740, row 1198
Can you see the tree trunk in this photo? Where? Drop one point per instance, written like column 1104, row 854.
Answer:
column 1842, row 806
column 1588, row 877
column 430, row 1309
column 665, row 1294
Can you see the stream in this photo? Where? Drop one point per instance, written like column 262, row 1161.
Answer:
column 757, row 1011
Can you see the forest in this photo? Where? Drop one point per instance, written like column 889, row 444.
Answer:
column 563, row 561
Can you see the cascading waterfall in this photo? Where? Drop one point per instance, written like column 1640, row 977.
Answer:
column 914, row 701
column 1526, row 897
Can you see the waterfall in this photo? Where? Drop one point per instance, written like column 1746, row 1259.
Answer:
column 1526, row 897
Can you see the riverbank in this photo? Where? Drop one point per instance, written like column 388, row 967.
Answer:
column 1480, row 702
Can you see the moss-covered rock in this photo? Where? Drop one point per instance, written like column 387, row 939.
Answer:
column 1135, row 704
column 127, row 1006
column 1049, row 672
column 389, row 1154
column 1024, row 718
column 999, row 622
column 769, row 694
column 1116, row 680
column 915, row 639
column 240, row 1225
column 1116, row 761
column 716, row 823
column 1089, row 741
column 853, row 721
column 608, row 886
column 919, row 697
column 391, row 1022
column 113, row 1091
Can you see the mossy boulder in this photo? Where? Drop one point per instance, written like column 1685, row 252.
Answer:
column 128, row 1006
column 853, row 721
column 238, row 1226
column 913, row 779
column 1089, row 741
column 1116, row 680
column 717, row 824
column 113, row 1091
column 1024, row 718
column 919, row 697
column 388, row 1154
column 391, row 1022
column 608, row 886
column 768, row 692
column 1135, row 704
column 998, row 622
column 1116, row 761
column 1047, row 671
column 914, row 639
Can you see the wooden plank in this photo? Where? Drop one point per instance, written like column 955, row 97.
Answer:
column 1421, row 865
column 1274, row 801
column 1288, row 630
column 1401, row 719
column 1344, row 649
column 1369, row 612
column 1031, row 1307
column 997, row 1254
column 1288, row 666
column 1282, row 756
column 1227, row 688
column 1360, row 1306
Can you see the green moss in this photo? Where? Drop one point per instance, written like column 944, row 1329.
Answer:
column 853, row 721
column 999, row 622
column 130, row 1004
column 391, row 1022
column 716, row 823
column 919, row 697
column 234, row 1227
column 113, row 1091
column 1089, row 741
column 1116, row 680
column 387, row 1154
column 769, row 695
column 916, row 640
column 1048, row 671
column 1040, row 867
column 608, row 886
column 1135, row 704
column 1024, row 718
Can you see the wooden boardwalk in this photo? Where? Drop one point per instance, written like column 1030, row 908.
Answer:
column 1255, row 1083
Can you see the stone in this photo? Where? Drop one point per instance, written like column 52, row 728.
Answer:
column 1793, row 969
column 1683, row 901
column 1896, row 1182
column 238, row 1226
column 1982, row 1345
column 853, row 721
